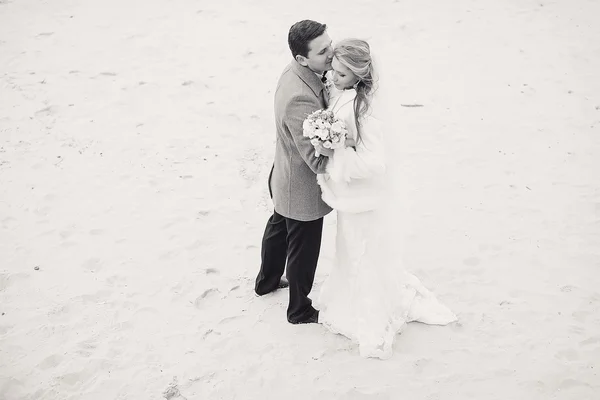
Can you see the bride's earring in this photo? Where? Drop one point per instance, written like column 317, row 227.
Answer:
column 355, row 86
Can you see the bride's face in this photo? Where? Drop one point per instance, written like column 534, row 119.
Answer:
column 343, row 78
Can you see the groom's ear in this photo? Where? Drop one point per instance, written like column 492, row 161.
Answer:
column 301, row 60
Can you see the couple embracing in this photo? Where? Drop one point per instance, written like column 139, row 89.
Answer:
column 368, row 296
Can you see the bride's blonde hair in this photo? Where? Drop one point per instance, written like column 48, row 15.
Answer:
column 355, row 54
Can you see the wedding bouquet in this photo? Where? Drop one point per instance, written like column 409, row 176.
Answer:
column 323, row 127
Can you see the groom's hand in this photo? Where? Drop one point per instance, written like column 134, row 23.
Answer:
column 323, row 151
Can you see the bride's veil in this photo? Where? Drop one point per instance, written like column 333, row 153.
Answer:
column 384, row 108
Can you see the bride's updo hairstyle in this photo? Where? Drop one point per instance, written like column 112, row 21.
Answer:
column 355, row 54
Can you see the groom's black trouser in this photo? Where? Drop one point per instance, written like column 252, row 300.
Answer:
column 300, row 243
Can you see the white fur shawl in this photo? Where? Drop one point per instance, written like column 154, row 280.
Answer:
column 354, row 179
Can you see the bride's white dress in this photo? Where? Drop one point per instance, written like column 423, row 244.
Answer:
column 368, row 296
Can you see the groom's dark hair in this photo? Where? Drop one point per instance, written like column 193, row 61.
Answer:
column 301, row 34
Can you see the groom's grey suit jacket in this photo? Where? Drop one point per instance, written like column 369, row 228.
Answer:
column 293, row 180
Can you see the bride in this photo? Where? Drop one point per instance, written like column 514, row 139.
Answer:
column 367, row 297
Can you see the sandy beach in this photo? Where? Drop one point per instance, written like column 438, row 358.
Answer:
column 136, row 138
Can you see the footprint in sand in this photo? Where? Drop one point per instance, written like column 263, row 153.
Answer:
column 203, row 298
column 7, row 221
column 210, row 332
column 421, row 364
column 50, row 362
column 7, row 280
column 237, row 293
column 217, row 339
column 172, row 391
column 567, row 289
column 86, row 348
column 576, row 330
column 591, row 341
column 46, row 111
column 177, row 288
column 334, row 346
column 85, row 374
column 202, row 213
column 227, row 320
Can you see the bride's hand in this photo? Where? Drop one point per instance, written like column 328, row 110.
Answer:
column 350, row 143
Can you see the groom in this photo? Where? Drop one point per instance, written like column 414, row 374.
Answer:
column 293, row 232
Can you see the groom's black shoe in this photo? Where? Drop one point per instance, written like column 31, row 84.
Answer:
column 314, row 319
column 283, row 283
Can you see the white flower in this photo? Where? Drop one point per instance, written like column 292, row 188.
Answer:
column 327, row 144
column 315, row 141
column 306, row 125
column 337, row 127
